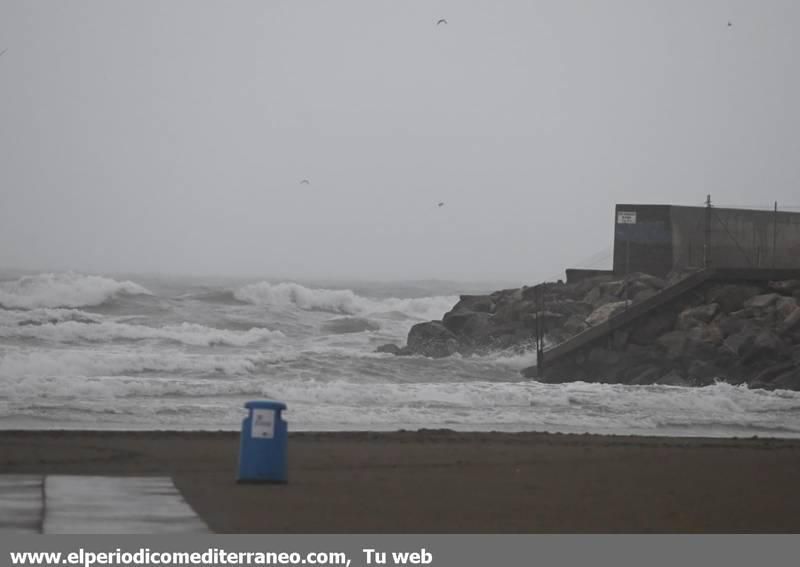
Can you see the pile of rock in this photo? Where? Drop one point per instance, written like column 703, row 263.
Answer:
column 739, row 333
column 506, row 319
column 735, row 333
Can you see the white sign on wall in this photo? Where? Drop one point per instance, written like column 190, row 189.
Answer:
column 263, row 424
column 626, row 217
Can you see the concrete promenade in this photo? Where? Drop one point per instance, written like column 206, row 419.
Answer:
column 63, row 504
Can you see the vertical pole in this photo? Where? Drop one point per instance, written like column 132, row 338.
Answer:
column 774, row 235
column 707, row 240
column 627, row 267
column 539, row 333
column 536, row 321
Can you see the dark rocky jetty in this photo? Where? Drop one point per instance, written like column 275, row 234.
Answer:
column 742, row 332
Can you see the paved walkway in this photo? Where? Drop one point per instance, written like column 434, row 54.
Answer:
column 94, row 505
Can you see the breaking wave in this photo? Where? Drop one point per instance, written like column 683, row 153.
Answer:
column 64, row 290
column 186, row 333
column 73, row 364
column 342, row 301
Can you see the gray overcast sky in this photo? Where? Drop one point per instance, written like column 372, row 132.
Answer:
column 172, row 136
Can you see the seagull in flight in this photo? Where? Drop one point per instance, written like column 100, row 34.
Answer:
column 442, row 21
column 305, row 182
column 3, row 52
column 441, row 204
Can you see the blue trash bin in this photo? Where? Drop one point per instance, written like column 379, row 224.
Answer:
column 262, row 447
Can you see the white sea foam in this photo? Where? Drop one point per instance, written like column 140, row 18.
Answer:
column 514, row 360
column 342, row 301
column 40, row 316
column 106, row 331
column 73, row 364
column 64, row 290
column 718, row 410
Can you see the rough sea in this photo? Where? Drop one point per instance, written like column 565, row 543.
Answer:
column 103, row 352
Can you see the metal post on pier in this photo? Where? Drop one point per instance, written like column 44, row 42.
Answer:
column 626, row 283
column 707, row 240
column 775, row 235
column 539, row 329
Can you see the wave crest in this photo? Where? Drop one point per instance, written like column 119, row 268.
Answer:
column 186, row 333
column 64, row 290
column 342, row 301
column 70, row 365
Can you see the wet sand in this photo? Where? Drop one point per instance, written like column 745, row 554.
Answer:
column 447, row 482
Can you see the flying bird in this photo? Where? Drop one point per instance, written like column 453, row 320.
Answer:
column 3, row 52
column 730, row 24
column 441, row 204
column 442, row 21
column 305, row 182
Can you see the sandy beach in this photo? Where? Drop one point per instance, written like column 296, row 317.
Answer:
column 446, row 482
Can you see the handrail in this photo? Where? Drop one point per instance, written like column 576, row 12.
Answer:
column 667, row 294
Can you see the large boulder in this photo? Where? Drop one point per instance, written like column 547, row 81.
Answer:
column 770, row 373
column 761, row 301
column 477, row 303
column 712, row 334
column 651, row 281
column 632, row 288
column 643, row 354
column 703, row 372
column 388, row 349
column 736, row 342
column 731, row 297
column 613, row 288
column 592, row 297
column 510, row 306
column 583, row 287
column 604, row 312
column 701, row 343
column 765, row 347
column 569, row 307
column 791, row 322
column 785, row 305
column 432, row 339
column 697, row 316
column 673, row 343
column 469, row 324
column 729, row 325
column 784, row 287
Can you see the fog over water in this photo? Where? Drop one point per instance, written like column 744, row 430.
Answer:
column 174, row 137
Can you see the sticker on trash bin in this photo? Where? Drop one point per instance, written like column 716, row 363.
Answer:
column 263, row 425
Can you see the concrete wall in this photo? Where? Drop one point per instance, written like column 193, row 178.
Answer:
column 667, row 237
column 575, row 275
column 740, row 238
column 645, row 246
